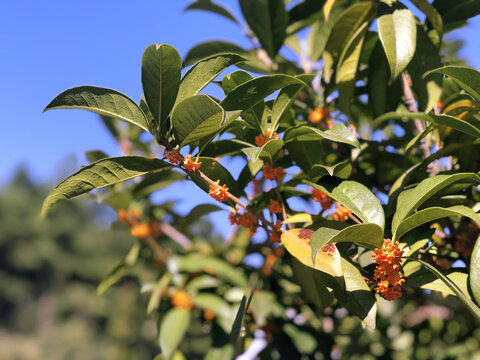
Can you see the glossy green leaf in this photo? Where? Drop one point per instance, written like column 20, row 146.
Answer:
column 172, row 330
column 466, row 77
column 341, row 170
column 432, row 15
column 411, row 199
column 102, row 101
column 220, row 307
column 99, row 174
column 464, row 298
column 267, row 152
column 114, row 275
column 346, row 26
column 460, row 280
column 95, row 155
column 397, row 31
column 365, row 235
column 355, row 196
column 474, row 276
column 250, row 93
column 427, row 57
column 215, row 171
column 447, row 120
column 338, row 133
column 433, row 213
column 359, row 299
column 203, row 72
column 196, row 118
column 231, row 81
column 161, row 65
column 157, row 289
column 268, row 19
column 208, row 5
column 457, row 11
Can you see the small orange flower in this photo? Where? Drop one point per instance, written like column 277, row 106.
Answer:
column 181, row 299
column 123, row 216
column 261, row 140
column 341, row 214
column 141, row 230
column 219, row 193
column 270, row 260
column 248, row 220
column 319, row 114
column 209, row 315
column 275, row 207
column 353, row 129
column 173, row 156
column 273, row 173
column 325, row 201
column 190, row 165
column 276, row 232
column 387, row 273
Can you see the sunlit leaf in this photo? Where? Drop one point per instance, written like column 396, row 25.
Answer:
column 173, row 327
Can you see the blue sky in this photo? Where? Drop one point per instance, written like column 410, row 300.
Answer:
column 49, row 46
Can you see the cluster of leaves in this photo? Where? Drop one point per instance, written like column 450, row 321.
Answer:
column 417, row 150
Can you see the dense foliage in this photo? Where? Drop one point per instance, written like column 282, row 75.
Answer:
column 369, row 120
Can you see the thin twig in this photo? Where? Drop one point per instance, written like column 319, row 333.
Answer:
column 354, row 218
column 175, row 235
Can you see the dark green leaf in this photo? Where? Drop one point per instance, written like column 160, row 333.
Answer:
column 231, row 81
column 433, row 213
column 211, row 48
column 338, row 133
column 341, row 170
column 268, row 19
column 201, row 210
column 195, row 118
column 208, row 5
column 355, row 196
column 100, row 174
column 102, row 101
column 466, row 77
column 397, row 31
column 411, row 199
column 203, row 72
column 161, row 65
column 248, row 94
column 113, row 276
column 95, row 155
column 474, row 276
column 432, row 15
column 172, row 329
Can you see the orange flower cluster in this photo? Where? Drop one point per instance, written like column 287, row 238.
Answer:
column 248, row 220
column 273, row 173
column 209, row 315
column 387, row 273
column 319, row 196
column 181, row 299
column 189, row 164
column 143, row 230
column 173, row 156
column 219, row 193
column 276, row 232
column 319, row 114
column 275, row 207
column 261, row 140
column 341, row 214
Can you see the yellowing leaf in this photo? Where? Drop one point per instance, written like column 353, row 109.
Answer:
column 299, row 218
column 297, row 243
column 327, row 8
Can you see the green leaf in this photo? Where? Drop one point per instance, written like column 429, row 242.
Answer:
column 338, row 133
column 427, row 57
column 457, row 11
column 453, row 122
column 284, row 102
column 95, row 155
column 303, row 341
column 195, row 118
column 203, row 72
column 341, row 170
column 219, row 306
column 359, row 299
column 433, row 213
column 100, row 174
column 345, row 28
column 411, row 199
column 202, row 282
column 209, row 49
column 215, row 171
column 466, row 77
column 469, row 304
column 474, row 276
column 155, row 181
column 268, row 19
column 432, row 15
column 114, row 275
column 161, row 65
column 172, row 329
column 240, row 316
column 231, row 81
column 208, row 5
column 201, row 210
column 101, row 101
column 157, row 290
column 355, row 196
column 365, row 235
column 267, row 152
column 397, row 31
column 248, row 94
